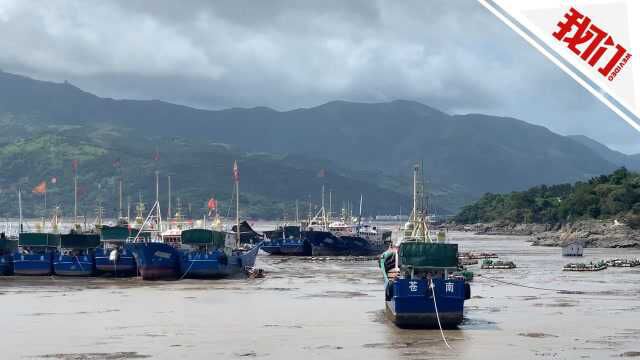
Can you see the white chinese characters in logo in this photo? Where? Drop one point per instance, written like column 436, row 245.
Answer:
column 413, row 286
column 448, row 287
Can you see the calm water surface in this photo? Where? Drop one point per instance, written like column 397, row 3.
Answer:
column 327, row 308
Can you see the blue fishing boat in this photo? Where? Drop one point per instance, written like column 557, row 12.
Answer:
column 344, row 237
column 213, row 254
column 112, row 256
column 286, row 240
column 155, row 260
column 75, row 256
column 35, row 253
column 7, row 248
column 345, row 240
column 422, row 286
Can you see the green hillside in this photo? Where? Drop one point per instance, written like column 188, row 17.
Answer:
column 463, row 154
column 603, row 197
column 270, row 184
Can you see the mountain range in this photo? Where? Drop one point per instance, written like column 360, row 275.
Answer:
column 366, row 148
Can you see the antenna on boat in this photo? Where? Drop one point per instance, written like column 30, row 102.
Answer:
column 297, row 218
column 417, row 228
column 75, row 192
column 128, row 208
column 20, row 206
column 236, row 179
column 322, row 201
column 330, row 208
column 360, row 214
column 169, row 206
column 120, row 199
column 157, row 203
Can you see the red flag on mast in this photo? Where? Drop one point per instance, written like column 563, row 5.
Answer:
column 40, row 188
column 74, row 165
column 212, row 204
column 236, row 172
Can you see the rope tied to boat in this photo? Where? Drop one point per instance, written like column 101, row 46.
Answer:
column 79, row 263
column 188, row 269
column 525, row 286
column 435, row 305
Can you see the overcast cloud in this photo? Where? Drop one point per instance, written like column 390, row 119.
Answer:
column 452, row 55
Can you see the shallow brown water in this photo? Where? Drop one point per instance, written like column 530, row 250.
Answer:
column 318, row 309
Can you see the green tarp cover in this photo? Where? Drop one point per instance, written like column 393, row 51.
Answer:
column 38, row 239
column 422, row 254
column 203, row 237
column 114, row 233
column 79, row 241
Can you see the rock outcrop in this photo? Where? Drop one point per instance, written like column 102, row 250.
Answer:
column 593, row 233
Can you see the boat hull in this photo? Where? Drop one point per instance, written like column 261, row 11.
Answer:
column 410, row 303
column 216, row 264
column 291, row 247
column 123, row 265
column 33, row 264
column 71, row 265
column 325, row 243
column 6, row 264
column 155, row 260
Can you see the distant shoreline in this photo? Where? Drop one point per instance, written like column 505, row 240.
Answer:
column 594, row 233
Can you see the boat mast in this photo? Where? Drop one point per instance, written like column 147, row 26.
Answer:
column 169, row 206
column 322, row 201
column 330, row 208
column 310, row 211
column 236, row 178
column 297, row 218
column 419, row 230
column 157, row 204
column 20, row 206
column 360, row 214
column 120, row 199
column 75, row 198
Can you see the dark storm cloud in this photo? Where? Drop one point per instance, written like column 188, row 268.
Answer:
column 452, row 55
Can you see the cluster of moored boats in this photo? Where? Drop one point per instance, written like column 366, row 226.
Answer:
column 424, row 285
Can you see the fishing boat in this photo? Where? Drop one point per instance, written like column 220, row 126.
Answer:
column 75, row 254
column 7, row 247
column 598, row 266
column 215, row 254
column 497, row 264
column 422, row 286
column 34, row 255
column 343, row 237
column 112, row 256
column 286, row 240
column 155, row 260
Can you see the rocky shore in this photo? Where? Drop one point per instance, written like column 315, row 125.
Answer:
column 593, row 233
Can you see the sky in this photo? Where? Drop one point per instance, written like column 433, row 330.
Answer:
column 452, row 55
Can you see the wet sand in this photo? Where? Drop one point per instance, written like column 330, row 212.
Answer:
column 327, row 308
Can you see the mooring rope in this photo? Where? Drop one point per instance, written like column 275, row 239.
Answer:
column 522, row 285
column 79, row 263
column 186, row 272
column 435, row 305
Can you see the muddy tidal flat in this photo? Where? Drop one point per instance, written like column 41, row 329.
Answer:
column 321, row 308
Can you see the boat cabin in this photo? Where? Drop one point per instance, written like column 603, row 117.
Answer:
column 574, row 248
